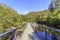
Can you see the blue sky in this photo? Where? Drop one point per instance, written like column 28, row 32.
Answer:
column 25, row 6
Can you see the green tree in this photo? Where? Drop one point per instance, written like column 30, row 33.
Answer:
column 8, row 18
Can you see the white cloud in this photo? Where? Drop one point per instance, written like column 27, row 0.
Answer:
column 25, row 12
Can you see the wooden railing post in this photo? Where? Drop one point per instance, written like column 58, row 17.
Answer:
column 45, row 33
column 15, row 34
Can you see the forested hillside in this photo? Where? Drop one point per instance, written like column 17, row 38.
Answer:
column 50, row 17
column 38, row 16
column 8, row 18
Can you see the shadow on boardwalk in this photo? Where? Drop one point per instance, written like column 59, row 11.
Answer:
column 34, row 36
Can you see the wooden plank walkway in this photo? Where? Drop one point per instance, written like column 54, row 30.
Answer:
column 29, row 34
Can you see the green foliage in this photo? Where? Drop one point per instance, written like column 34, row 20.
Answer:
column 50, row 17
column 40, row 16
column 8, row 18
column 24, row 18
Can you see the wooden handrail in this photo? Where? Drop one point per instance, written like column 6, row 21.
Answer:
column 11, row 30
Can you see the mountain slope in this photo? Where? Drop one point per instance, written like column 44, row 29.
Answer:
column 8, row 18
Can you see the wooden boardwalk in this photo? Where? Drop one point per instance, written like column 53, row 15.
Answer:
column 28, row 34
